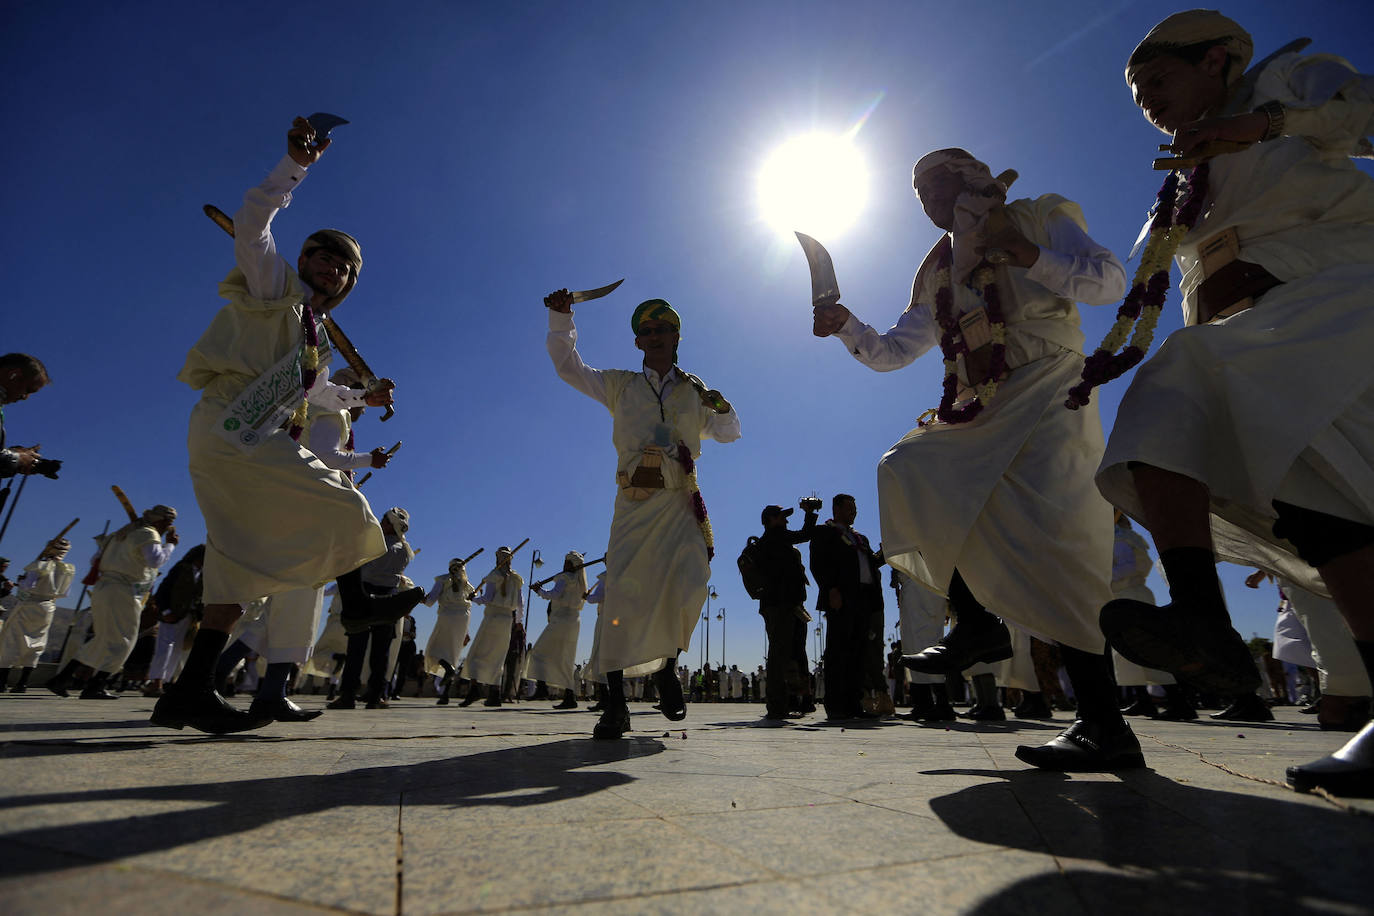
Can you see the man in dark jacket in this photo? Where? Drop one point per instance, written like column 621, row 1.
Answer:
column 783, row 606
column 850, row 590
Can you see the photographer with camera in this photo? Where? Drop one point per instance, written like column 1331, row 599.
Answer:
column 20, row 376
column 774, row 574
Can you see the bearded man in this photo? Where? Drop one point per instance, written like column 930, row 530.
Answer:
column 659, row 553
column 1249, row 436
column 276, row 518
column 965, row 501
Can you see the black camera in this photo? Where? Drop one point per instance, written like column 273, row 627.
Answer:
column 810, row 503
column 48, row 467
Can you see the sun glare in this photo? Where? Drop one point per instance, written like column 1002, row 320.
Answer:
column 816, row 183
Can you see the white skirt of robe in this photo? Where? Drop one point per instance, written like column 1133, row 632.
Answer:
column 1009, row 500
column 25, row 633
column 1276, row 402
column 487, row 652
column 276, row 518
column 333, row 641
column 446, row 640
column 656, row 581
column 554, row 656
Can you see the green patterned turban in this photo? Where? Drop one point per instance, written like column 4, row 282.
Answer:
column 654, row 310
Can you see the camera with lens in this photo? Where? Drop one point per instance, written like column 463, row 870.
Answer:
column 810, row 503
column 48, row 467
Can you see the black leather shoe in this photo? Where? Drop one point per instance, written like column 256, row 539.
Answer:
column 990, row 713
column 58, row 686
column 613, row 724
column 1246, row 708
column 1348, row 772
column 1086, row 747
column 1141, row 708
column 1177, row 712
column 204, row 710
column 1190, row 643
column 962, row 648
column 376, row 702
column 671, row 702
column 471, row 698
column 98, row 693
column 342, row 701
column 494, row 700
column 281, row 709
column 567, row 703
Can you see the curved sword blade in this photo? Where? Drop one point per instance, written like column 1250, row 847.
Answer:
column 824, row 288
column 585, row 295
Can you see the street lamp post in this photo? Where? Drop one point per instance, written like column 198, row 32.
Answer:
column 720, row 615
column 706, row 618
column 536, row 562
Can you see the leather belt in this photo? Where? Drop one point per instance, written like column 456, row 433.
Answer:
column 1232, row 289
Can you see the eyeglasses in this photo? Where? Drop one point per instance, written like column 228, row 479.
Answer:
column 654, row 330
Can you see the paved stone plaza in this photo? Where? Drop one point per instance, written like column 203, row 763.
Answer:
column 426, row 810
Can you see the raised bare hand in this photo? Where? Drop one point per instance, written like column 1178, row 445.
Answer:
column 301, row 145
column 560, row 300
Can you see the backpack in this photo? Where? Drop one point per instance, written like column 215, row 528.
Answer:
column 751, row 569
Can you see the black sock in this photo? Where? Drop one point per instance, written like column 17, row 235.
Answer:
column 229, row 659
column 1192, row 575
column 1366, row 647
column 24, row 677
column 1091, row 676
column 272, row 685
column 615, row 688
column 377, row 660
column 199, row 669
column 968, row 610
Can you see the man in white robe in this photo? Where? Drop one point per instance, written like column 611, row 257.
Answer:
column 444, row 650
column 129, row 561
column 25, row 633
column 1249, row 435
column 503, row 601
column 276, row 518
column 658, row 555
column 554, row 656
column 965, row 502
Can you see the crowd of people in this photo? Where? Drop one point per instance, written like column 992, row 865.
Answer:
column 995, row 512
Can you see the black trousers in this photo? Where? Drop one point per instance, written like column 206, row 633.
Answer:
column 781, row 673
column 846, row 633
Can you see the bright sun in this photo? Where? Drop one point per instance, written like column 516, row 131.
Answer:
column 816, row 183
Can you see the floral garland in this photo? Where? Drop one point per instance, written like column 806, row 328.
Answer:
column 689, row 467
column 952, row 342
column 1149, row 288
column 310, row 363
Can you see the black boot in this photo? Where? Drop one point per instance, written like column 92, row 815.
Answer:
column 1032, row 706
column 23, row 685
column 1177, row 708
column 1247, row 707
column 493, row 696
column 361, row 611
column 569, row 701
column 59, row 683
column 95, row 688
column 671, row 702
column 473, row 695
column 193, row 701
column 1191, row 637
column 1143, row 704
column 987, row 708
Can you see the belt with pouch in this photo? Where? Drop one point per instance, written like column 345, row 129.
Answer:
column 1233, row 288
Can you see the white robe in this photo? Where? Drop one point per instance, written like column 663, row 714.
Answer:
column 276, row 518
column 332, row 641
column 982, row 496
column 1275, row 402
column 657, row 569
column 118, row 597
column 25, row 633
column 554, row 656
column 451, row 620
column 486, row 659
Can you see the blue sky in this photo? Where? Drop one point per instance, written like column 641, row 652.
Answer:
column 500, row 151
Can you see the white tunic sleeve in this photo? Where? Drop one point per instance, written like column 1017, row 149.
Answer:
column 912, row 335
column 562, row 346
column 1076, row 267
column 254, row 248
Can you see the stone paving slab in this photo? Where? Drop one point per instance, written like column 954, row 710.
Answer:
column 425, row 810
